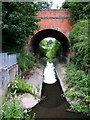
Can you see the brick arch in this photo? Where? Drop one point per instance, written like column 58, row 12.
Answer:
column 39, row 36
column 53, row 28
column 52, row 20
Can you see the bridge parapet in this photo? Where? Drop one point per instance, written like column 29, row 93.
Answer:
column 44, row 14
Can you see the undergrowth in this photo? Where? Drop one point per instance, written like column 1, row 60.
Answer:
column 78, row 88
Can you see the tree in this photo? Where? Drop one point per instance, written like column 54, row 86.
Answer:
column 44, row 5
column 79, row 10
column 65, row 5
column 18, row 23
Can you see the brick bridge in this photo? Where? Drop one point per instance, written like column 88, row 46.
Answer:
column 54, row 23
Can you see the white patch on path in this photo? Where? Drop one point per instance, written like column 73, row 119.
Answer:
column 28, row 100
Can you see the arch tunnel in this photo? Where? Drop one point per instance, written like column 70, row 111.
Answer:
column 39, row 36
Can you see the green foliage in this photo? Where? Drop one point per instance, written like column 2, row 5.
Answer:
column 12, row 86
column 10, row 107
column 51, row 48
column 55, row 50
column 23, row 86
column 38, row 89
column 41, row 51
column 79, row 10
column 18, row 22
column 65, row 5
column 76, row 77
column 43, row 43
column 25, row 61
column 19, row 85
column 77, row 88
column 81, row 107
column 44, row 5
column 79, row 42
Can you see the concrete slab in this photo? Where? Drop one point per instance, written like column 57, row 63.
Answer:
column 28, row 100
column 36, row 79
column 61, row 71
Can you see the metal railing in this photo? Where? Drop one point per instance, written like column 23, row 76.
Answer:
column 7, row 61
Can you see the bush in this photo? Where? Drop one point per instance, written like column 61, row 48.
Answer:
column 77, row 88
column 20, row 24
column 25, row 61
column 18, row 85
column 79, row 43
column 79, row 10
column 10, row 107
column 54, row 52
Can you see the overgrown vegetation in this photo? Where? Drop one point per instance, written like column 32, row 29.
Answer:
column 54, row 52
column 41, row 51
column 25, row 61
column 79, row 43
column 77, row 76
column 51, row 49
column 12, row 107
column 20, row 85
column 18, row 22
column 79, row 10
column 45, row 5
column 78, row 88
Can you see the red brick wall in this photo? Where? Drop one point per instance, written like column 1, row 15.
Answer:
column 54, row 19
column 60, row 23
column 54, row 13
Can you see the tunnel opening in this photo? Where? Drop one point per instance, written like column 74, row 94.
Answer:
column 50, row 48
column 59, row 36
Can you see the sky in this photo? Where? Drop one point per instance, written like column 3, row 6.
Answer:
column 57, row 3
column 50, row 38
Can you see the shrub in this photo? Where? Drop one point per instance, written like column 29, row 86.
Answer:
column 19, row 85
column 25, row 61
column 77, row 88
column 79, row 43
column 79, row 10
column 12, row 108
column 54, row 52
